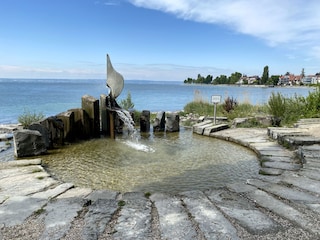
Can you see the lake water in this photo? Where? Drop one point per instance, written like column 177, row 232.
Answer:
column 52, row 96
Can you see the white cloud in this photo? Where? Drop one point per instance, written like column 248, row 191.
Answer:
column 295, row 22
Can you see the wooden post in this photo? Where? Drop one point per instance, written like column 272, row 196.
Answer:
column 111, row 118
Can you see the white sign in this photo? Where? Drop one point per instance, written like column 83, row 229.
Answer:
column 215, row 98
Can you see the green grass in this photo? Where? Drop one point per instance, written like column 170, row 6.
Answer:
column 286, row 111
column 28, row 117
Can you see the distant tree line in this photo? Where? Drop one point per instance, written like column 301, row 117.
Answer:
column 238, row 78
column 200, row 80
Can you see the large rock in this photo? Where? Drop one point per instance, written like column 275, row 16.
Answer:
column 173, row 121
column 68, row 125
column 28, row 143
column 159, row 124
column 43, row 130
column 91, row 106
column 81, row 124
column 145, row 121
column 55, row 130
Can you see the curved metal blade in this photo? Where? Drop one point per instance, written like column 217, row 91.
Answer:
column 114, row 80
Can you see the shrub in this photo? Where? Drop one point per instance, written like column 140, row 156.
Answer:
column 127, row 103
column 313, row 104
column 229, row 104
column 276, row 107
column 294, row 110
column 29, row 117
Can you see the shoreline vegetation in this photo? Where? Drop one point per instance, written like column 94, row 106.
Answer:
column 281, row 110
column 237, row 78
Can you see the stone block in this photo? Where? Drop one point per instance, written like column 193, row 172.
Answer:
column 68, row 125
column 91, row 106
column 199, row 127
column 43, row 130
column 159, row 124
column 28, row 143
column 81, row 126
column 215, row 128
column 145, row 121
column 55, row 130
column 173, row 123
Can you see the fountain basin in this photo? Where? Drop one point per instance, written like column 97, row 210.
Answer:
column 162, row 162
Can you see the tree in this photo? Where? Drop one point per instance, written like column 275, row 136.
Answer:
column 235, row 77
column 127, row 103
column 265, row 75
column 274, row 79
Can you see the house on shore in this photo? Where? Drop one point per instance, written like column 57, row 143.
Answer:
column 311, row 79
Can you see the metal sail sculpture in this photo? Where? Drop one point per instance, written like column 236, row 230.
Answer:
column 114, row 80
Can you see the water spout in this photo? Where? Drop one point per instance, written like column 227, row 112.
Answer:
column 133, row 140
column 127, row 120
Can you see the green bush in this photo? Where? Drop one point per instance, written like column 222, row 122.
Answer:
column 295, row 109
column 277, row 108
column 27, row 117
column 313, row 104
column 229, row 104
column 127, row 103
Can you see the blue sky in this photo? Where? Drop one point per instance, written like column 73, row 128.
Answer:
column 157, row 39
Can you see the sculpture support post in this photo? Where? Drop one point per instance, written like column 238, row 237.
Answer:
column 111, row 125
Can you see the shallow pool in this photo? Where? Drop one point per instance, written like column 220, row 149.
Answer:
column 164, row 162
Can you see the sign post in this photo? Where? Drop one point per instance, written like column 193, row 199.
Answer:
column 215, row 99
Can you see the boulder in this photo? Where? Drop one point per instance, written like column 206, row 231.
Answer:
column 28, row 143
column 55, row 130
column 68, row 125
column 43, row 130
column 81, row 126
column 91, row 106
column 173, row 122
column 159, row 124
column 145, row 121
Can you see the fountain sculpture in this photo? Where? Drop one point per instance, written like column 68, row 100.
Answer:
column 114, row 116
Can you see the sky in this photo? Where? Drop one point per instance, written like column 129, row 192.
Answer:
column 158, row 39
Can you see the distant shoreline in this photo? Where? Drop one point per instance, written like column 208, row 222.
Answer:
column 246, row 85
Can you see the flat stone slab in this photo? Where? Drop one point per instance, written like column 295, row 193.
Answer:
column 25, row 184
column 199, row 127
column 174, row 220
column 276, row 132
column 212, row 223
column 214, row 128
column 281, row 165
column 97, row 217
column 270, row 171
column 295, row 141
column 303, row 182
column 134, row 221
column 267, row 201
column 285, row 192
column 19, row 163
column 17, row 209
column 244, row 212
column 310, row 173
column 59, row 215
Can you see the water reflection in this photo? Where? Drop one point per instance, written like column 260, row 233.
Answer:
column 167, row 162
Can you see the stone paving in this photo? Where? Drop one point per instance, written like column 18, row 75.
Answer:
column 283, row 203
